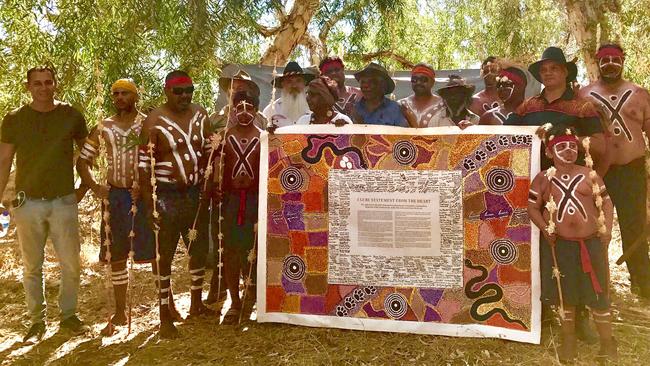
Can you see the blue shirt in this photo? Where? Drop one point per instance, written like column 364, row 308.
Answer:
column 388, row 113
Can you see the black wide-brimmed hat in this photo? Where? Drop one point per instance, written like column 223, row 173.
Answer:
column 459, row 83
column 238, row 74
column 292, row 68
column 377, row 69
column 557, row 55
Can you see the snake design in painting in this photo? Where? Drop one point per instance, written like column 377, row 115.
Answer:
column 335, row 149
column 488, row 299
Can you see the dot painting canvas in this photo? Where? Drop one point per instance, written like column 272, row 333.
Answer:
column 402, row 230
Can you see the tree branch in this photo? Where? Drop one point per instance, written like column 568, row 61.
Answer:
column 331, row 22
column 278, row 7
column 313, row 45
column 367, row 57
column 266, row 31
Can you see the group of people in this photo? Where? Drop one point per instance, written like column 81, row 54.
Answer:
column 187, row 168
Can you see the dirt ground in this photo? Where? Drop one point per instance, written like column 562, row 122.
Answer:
column 207, row 342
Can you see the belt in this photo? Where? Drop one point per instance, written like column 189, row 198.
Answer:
column 585, row 261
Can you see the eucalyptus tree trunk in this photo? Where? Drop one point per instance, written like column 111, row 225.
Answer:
column 290, row 33
column 586, row 18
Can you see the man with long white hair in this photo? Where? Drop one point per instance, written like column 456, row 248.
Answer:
column 292, row 105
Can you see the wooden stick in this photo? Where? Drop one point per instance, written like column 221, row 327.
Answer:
column 557, row 274
column 215, row 140
column 134, row 212
column 638, row 243
column 193, row 234
column 220, row 219
column 106, row 216
column 252, row 255
column 156, row 215
column 550, row 229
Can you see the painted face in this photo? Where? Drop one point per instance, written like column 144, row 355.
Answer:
column 566, row 151
column 553, row 74
column 245, row 113
column 123, row 99
column 293, row 84
column 490, row 71
column 421, row 84
column 611, row 67
column 41, row 86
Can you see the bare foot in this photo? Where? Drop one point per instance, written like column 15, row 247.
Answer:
column 108, row 330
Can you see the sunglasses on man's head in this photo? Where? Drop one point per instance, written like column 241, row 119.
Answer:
column 177, row 90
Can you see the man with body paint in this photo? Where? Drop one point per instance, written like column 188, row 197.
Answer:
column 487, row 98
column 571, row 207
column 511, row 87
column 628, row 107
column 178, row 133
column 121, row 192
column 238, row 197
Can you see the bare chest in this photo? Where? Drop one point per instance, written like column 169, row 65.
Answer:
column 624, row 109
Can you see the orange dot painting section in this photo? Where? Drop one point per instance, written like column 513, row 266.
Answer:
column 518, row 197
column 299, row 240
column 274, row 298
column 313, row 201
column 316, row 259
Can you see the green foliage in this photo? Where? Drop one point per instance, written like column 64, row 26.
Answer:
column 94, row 42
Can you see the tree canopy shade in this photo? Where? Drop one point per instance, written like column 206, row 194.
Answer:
column 93, row 42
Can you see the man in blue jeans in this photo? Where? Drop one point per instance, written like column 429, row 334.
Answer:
column 41, row 135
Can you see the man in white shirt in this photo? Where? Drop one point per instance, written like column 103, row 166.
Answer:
column 292, row 105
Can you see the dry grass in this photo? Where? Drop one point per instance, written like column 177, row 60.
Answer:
column 207, row 342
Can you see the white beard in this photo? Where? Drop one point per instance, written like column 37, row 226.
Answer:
column 294, row 106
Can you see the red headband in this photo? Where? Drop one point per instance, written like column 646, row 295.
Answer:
column 424, row 70
column 609, row 51
column 516, row 79
column 179, row 80
column 563, row 138
column 329, row 64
